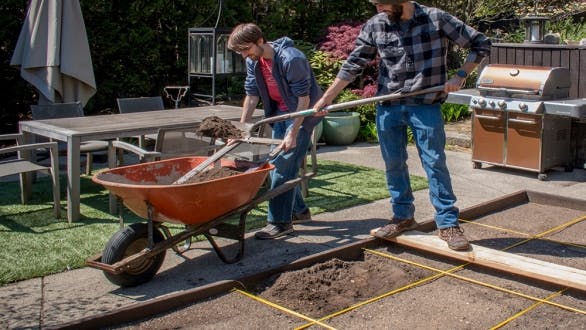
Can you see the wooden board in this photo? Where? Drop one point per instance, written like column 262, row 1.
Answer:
column 508, row 262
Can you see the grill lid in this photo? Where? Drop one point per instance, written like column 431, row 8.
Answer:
column 527, row 82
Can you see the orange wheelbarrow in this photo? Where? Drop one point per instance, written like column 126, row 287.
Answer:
column 135, row 253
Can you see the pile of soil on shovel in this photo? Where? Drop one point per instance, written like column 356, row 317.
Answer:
column 333, row 285
column 217, row 127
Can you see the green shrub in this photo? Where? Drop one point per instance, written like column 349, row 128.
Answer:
column 324, row 67
column 569, row 29
column 454, row 112
column 368, row 132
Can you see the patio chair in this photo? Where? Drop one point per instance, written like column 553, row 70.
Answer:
column 141, row 104
column 70, row 110
column 170, row 143
column 19, row 165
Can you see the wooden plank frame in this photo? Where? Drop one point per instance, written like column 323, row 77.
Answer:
column 504, row 261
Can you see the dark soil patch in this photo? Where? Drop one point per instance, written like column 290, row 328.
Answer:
column 333, row 285
column 217, row 127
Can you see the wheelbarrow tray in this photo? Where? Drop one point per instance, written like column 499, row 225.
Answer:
column 189, row 204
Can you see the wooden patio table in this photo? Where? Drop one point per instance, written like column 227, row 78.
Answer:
column 107, row 127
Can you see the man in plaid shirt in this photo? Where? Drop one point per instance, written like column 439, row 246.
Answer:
column 411, row 41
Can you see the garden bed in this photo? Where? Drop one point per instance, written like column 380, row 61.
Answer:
column 377, row 284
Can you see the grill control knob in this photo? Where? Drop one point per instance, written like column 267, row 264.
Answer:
column 523, row 106
column 491, row 103
column 482, row 102
column 502, row 104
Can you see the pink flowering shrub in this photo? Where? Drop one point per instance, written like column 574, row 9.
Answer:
column 331, row 52
column 338, row 44
column 340, row 38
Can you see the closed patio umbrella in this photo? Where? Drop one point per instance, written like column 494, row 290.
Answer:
column 53, row 52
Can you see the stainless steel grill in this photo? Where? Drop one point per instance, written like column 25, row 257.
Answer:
column 522, row 117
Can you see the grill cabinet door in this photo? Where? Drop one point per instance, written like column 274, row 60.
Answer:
column 488, row 136
column 524, row 140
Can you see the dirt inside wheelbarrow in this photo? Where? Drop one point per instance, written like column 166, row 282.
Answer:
column 207, row 175
column 217, row 127
column 212, row 174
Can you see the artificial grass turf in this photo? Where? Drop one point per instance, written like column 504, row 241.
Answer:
column 35, row 244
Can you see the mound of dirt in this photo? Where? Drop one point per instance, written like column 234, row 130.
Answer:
column 217, row 127
column 212, row 174
column 336, row 284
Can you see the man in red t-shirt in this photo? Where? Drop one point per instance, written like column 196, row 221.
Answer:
column 280, row 75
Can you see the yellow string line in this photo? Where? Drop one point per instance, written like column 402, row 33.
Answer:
column 494, row 227
column 477, row 282
column 538, row 236
column 526, row 310
column 563, row 226
column 390, row 293
column 283, row 309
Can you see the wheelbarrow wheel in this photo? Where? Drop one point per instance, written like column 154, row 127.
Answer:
column 126, row 242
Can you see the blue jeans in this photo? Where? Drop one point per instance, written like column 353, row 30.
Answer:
column 282, row 207
column 427, row 125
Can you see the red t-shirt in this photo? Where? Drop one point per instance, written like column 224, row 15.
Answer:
column 266, row 67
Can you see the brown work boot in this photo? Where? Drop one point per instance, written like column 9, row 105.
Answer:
column 455, row 238
column 302, row 217
column 271, row 231
column 395, row 227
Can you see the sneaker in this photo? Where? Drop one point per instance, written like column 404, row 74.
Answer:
column 455, row 238
column 395, row 227
column 302, row 217
column 271, row 231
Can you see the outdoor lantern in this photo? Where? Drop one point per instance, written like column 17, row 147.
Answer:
column 209, row 58
column 534, row 28
column 209, row 53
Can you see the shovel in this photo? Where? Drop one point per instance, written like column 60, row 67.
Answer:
column 268, row 158
column 248, row 128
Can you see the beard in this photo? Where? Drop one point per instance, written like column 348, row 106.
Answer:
column 256, row 52
column 395, row 13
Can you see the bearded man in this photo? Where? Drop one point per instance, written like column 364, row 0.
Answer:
column 411, row 41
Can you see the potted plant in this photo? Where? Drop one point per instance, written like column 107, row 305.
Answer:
column 341, row 128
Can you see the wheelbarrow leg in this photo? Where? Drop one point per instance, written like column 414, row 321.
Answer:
column 187, row 243
column 150, row 225
column 229, row 231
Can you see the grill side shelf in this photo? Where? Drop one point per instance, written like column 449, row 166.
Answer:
column 575, row 108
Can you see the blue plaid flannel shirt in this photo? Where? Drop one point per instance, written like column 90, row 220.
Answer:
column 413, row 53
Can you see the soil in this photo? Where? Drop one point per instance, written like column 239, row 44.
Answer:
column 217, row 127
column 336, row 284
column 207, row 175
column 212, row 174
column 319, row 290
